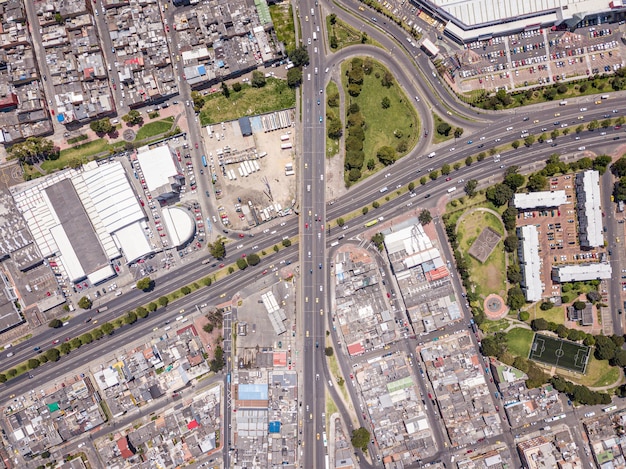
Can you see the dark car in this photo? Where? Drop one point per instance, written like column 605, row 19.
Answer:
column 427, row 196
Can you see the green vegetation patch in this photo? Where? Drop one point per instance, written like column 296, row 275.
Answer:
column 599, row 373
column 78, row 154
column 341, row 34
column 518, row 341
column 436, row 136
column 332, row 112
column 282, row 18
column 389, row 118
column 490, row 276
column 250, row 101
column 154, row 128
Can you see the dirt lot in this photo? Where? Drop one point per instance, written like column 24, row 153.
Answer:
column 254, row 187
column 558, row 238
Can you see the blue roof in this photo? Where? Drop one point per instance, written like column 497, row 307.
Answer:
column 201, row 69
column 274, row 427
column 220, row 63
column 253, row 392
column 60, row 117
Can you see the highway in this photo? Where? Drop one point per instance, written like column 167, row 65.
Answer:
column 312, row 237
column 485, row 129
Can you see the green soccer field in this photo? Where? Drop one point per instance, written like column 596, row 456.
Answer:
column 560, row 353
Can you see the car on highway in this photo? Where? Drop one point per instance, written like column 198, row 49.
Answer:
column 427, row 196
column 241, row 235
column 56, row 341
column 469, row 142
column 306, row 225
column 196, row 145
column 318, row 102
column 37, row 349
column 320, row 118
column 448, row 178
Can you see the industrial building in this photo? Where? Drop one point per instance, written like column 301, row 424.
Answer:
column 581, row 272
column 471, row 20
column 179, row 225
column 530, row 262
column 85, row 219
column 535, row 200
column 162, row 173
column 589, row 209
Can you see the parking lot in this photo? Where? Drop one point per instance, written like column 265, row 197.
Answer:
column 539, row 57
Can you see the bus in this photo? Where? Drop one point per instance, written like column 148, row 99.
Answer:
column 327, row 458
column 371, row 223
column 228, row 378
column 204, row 161
column 609, row 408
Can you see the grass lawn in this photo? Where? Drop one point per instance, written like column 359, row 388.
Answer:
column 489, row 277
column 274, row 96
column 154, row 128
column 282, row 18
column 346, row 35
column 494, row 326
column 383, row 126
column 519, row 340
column 437, row 137
column 555, row 314
column 82, row 153
column 599, row 373
column 332, row 146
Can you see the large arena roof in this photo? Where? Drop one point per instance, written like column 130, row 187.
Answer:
column 179, row 224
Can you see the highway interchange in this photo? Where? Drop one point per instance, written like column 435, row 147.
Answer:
column 412, row 71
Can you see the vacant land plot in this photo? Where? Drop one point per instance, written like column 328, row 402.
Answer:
column 485, row 244
column 282, row 18
column 155, row 128
column 518, row 341
column 384, row 126
column 489, row 276
column 560, row 353
column 250, row 101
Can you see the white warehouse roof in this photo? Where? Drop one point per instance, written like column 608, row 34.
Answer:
column 157, row 166
column 530, row 262
column 133, row 242
column 70, row 260
column 411, row 239
column 112, row 196
column 542, row 199
column 581, row 272
column 179, row 224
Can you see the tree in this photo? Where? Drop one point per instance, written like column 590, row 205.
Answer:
column 360, row 438
column 102, row 126
column 469, row 160
column 546, row 305
column 299, row 56
column 163, row 301
column 445, row 169
column 328, row 351
column 411, row 186
column 499, row 194
column 286, row 242
column 619, row 167
column 97, row 334
column 84, row 303
column 56, row 323
column 515, row 144
column 152, row 306
column 458, row 132
column 579, row 305
column 528, row 141
column 33, row 150
column 536, row 182
column 185, row 290
column 375, row 204
column 513, row 274
column 144, row 284
column 515, row 298
column 242, row 264
column 524, row 316
column 333, row 19
column 237, row 87
column 562, row 331
column 371, row 164
column 225, row 90
column 425, row 217
column 513, row 179
column 387, row 79
column 294, row 77
column 141, row 312
column 33, row 363
column 133, row 117
column 509, row 217
column 340, row 222
column 258, row 79
column 107, row 328
column 619, row 359
column 208, row 327
column 218, row 248
column 385, row 103
column 434, row 174
column 470, row 187
column 605, row 348
column 253, row 259
column 511, row 242
column 364, row 210
column 593, row 125
column 52, row 355
column 130, row 318
column 443, row 128
column 386, row 155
